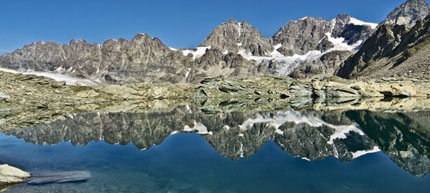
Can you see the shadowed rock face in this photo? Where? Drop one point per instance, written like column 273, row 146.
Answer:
column 389, row 52
column 308, row 135
column 397, row 48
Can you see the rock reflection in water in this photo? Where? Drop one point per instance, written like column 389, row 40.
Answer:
column 309, row 135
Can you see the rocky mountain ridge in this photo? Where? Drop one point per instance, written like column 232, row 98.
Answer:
column 408, row 13
column 306, row 48
column 399, row 48
column 233, row 49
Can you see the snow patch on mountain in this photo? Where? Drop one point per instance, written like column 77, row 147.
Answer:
column 199, row 127
column 279, row 119
column 61, row 77
column 287, row 64
column 360, row 153
column 359, row 22
column 56, row 76
column 339, row 44
column 197, row 52
column 9, row 71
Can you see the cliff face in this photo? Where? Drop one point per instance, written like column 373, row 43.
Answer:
column 394, row 50
column 300, row 37
column 397, row 48
column 235, row 36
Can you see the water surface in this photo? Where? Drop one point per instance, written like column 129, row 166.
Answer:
column 187, row 150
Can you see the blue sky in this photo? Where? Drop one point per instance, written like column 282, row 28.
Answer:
column 178, row 23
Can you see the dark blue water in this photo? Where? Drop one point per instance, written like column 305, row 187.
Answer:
column 188, row 163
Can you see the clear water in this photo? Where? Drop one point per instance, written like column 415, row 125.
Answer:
column 190, row 162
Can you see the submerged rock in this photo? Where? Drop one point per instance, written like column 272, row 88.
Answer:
column 59, row 177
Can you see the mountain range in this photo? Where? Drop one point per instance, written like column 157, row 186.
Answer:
column 307, row 48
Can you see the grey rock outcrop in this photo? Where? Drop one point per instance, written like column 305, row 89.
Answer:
column 302, row 36
column 324, row 66
column 408, row 13
column 214, row 63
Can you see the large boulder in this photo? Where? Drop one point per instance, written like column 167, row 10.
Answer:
column 11, row 175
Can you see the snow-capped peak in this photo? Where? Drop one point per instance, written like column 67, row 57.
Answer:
column 359, row 22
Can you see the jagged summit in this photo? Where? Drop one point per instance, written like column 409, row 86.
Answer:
column 234, row 36
column 392, row 51
column 311, row 33
column 408, row 13
column 301, row 36
column 398, row 48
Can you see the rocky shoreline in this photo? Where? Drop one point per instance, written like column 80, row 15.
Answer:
column 27, row 100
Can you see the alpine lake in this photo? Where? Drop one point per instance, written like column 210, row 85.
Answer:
column 188, row 149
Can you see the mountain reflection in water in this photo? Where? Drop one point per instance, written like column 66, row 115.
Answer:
column 403, row 137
